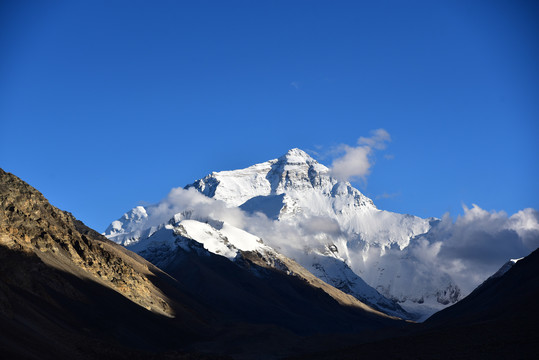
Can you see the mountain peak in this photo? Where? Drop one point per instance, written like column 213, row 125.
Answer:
column 298, row 162
column 296, row 156
column 297, row 152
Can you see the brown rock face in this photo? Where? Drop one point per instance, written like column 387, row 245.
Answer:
column 31, row 226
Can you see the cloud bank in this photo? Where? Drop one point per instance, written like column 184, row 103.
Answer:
column 469, row 248
column 289, row 238
column 477, row 243
column 356, row 162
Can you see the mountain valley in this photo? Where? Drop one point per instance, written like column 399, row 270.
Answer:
column 278, row 260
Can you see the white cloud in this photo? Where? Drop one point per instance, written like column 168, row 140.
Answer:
column 477, row 243
column 321, row 225
column 387, row 196
column 377, row 140
column 289, row 238
column 295, row 84
column 202, row 208
column 355, row 163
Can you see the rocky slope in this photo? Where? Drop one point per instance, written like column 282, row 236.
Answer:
column 68, row 292
column 33, row 227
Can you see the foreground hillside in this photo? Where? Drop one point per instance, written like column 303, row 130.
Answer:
column 68, row 292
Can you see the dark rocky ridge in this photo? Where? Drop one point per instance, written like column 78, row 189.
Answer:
column 512, row 297
column 498, row 320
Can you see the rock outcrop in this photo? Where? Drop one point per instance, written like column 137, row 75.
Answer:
column 32, row 226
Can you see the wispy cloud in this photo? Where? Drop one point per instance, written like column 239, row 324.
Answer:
column 289, row 237
column 295, row 84
column 356, row 162
column 313, row 153
column 387, row 196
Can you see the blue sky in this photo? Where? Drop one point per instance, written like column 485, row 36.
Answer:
column 104, row 105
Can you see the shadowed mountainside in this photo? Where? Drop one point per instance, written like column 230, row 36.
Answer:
column 498, row 320
column 512, row 297
column 68, row 292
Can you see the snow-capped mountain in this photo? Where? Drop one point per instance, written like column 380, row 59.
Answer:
column 291, row 184
column 304, row 213
column 297, row 186
column 297, row 189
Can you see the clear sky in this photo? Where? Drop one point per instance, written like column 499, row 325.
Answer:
column 108, row 104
